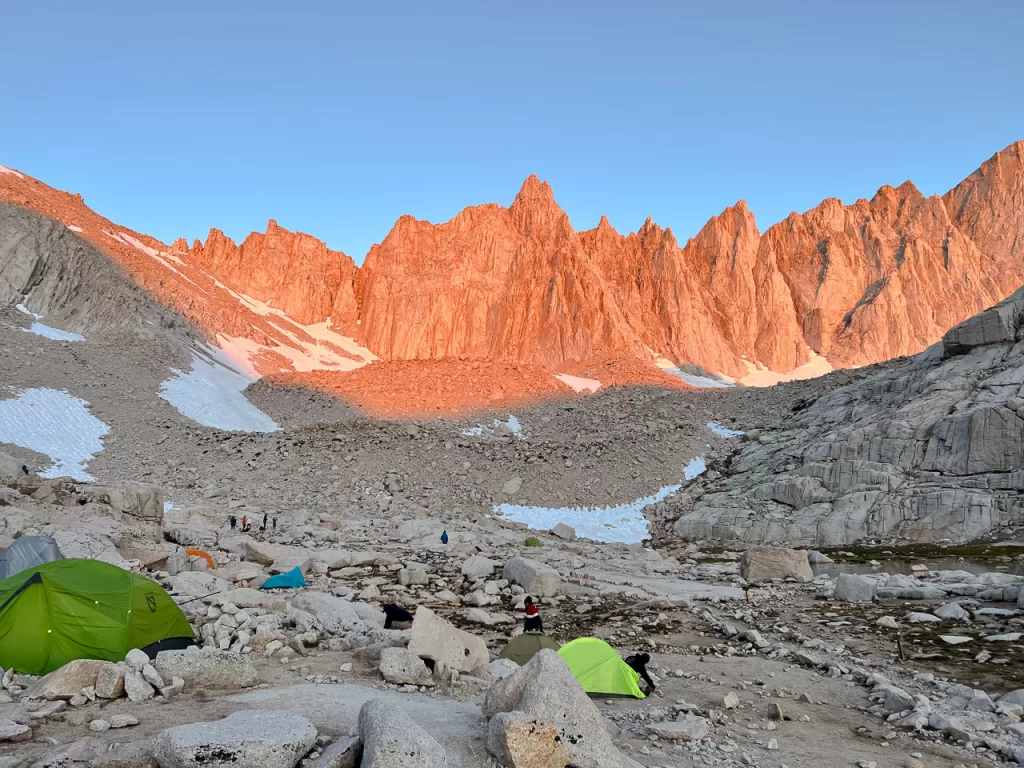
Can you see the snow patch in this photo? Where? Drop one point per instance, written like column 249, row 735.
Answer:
column 625, row 523
column 53, row 333
column 694, row 380
column 44, row 330
column 11, row 171
column 721, row 431
column 55, row 423
column 73, row 227
column 578, row 383
column 759, row 376
column 211, row 394
column 512, row 425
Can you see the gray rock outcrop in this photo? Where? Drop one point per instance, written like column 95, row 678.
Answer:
column 253, row 738
column 392, row 740
column 924, row 448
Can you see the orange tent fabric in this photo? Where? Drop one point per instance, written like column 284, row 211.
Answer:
column 202, row 554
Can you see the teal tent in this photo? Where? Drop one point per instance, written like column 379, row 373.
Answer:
column 293, row 579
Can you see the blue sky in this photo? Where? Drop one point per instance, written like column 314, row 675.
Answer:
column 337, row 118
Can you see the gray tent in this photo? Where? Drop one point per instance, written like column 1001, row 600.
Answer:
column 28, row 552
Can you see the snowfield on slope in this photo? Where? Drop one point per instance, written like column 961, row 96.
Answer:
column 622, row 522
column 53, row 422
column 211, row 394
column 46, row 331
column 512, row 425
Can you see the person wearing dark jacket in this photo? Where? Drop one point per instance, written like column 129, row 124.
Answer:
column 395, row 615
column 638, row 663
column 533, row 622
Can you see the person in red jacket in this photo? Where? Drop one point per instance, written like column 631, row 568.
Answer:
column 533, row 622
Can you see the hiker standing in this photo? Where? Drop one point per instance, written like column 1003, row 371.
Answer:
column 264, row 526
column 275, row 523
column 638, row 663
column 234, row 522
column 245, row 519
column 533, row 622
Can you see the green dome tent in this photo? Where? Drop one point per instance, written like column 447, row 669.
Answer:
column 524, row 647
column 83, row 609
column 599, row 668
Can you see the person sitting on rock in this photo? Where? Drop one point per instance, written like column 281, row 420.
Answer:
column 395, row 615
column 533, row 622
column 638, row 663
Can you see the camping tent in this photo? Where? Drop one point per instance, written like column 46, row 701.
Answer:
column 84, row 609
column 203, row 554
column 599, row 668
column 293, row 579
column 522, row 648
column 27, row 552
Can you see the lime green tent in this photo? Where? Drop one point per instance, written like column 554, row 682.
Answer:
column 523, row 648
column 83, row 609
column 599, row 668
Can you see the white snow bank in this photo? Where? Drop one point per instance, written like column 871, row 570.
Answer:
column 55, row 423
column 512, row 425
column 578, row 383
column 5, row 169
column 211, row 394
column 73, row 227
column 721, row 431
column 46, row 331
column 53, row 333
column 701, row 382
column 759, row 376
column 623, row 522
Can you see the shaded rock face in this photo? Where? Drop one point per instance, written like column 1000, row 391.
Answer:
column 924, row 449
column 856, row 283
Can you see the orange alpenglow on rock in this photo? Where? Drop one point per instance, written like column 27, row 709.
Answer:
column 839, row 285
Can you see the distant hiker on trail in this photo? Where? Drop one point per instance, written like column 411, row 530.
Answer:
column 638, row 663
column 395, row 615
column 533, row 622
column 234, row 522
column 444, row 537
column 264, row 526
column 24, row 468
column 245, row 521
column 275, row 523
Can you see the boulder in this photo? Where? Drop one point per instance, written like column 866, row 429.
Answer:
column 86, row 545
column 239, row 571
column 952, row 612
column 340, row 753
column 136, row 688
column 11, row 731
column 110, row 681
column 392, row 740
column 516, row 739
column 536, row 578
column 564, row 531
column 403, row 667
column 251, row 738
column 855, row 589
column 512, row 486
column 686, row 728
column 478, row 566
column 767, row 563
column 1013, row 697
column 337, row 616
column 441, row 642
column 142, row 501
column 199, row 583
column 208, row 668
column 65, row 682
column 545, row 689
column 136, row 659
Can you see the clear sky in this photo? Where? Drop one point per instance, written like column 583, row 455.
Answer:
column 335, row 118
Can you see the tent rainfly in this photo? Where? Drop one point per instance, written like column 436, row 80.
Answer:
column 26, row 552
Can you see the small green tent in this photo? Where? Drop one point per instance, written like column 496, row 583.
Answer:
column 83, row 609
column 599, row 668
column 523, row 648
